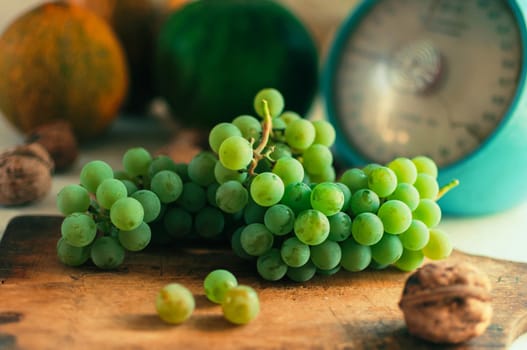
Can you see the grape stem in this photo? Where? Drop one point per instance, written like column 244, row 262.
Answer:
column 445, row 189
column 267, row 128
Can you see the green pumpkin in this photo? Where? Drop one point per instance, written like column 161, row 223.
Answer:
column 213, row 56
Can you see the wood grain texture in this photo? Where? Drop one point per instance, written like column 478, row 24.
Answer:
column 45, row 305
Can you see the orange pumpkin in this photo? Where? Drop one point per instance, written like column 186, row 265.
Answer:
column 61, row 61
column 136, row 23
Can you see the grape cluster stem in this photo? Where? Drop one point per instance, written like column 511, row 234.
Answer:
column 445, row 189
column 267, row 127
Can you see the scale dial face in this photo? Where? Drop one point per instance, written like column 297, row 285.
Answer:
column 426, row 77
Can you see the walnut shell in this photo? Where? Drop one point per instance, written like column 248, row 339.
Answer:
column 59, row 140
column 445, row 303
column 25, row 174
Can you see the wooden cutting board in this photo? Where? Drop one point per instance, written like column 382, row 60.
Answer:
column 45, row 305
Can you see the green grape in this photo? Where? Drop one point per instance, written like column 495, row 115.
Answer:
column 235, row 153
column 73, row 199
column 270, row 265
column 220, row 133
column 177, row 222
column 396, row 217
column 174, row 303
column 267, row 189
column 222, row 174
column 324, row 132
column 107, row 253
column 150, row 202
column 209, row 222
column 211, row 193
column 279, row 219
column 382, row 180
column 300, row 134
column 367, row 169
column 416, row 236
column 347, row 194
column 121, row 175
column 249, row 126
column 427, row 186
column 240, row 305
column 355, row 257
column 256, row 239
column 217, row 283
column 367, row 229
column 303, row 273
column 127, row 213
column 161, row 162
column 316, row 158
column 280, row 150
column 236, row 245
column 311, row 227
column 326, row 255
column 201, row 168
column 297, row 196
column 263, row 165
column 289, row 170
column 364, row 201
column 136, row 239
column 294, row 253
column 279, row 126
column 274, row 99
column 231, row 197
column 109, row 191
column 136, row 161
column 327, row 198
column 328, row 272
column 289, row 116
column 425, row 165
column 404, row 169
column 167, row 185
column 193, row 197
column 131, row 187
column 428, row 211
column 438, row 246
column 355, row 179
column 339, row 227
column 93, row 173
column 327, row 175
column 70, row 255
column 182, row 171
column 407, row 194
column 253, row 212
column 388, row 250
column 78, row 229
column 410, row 260
column 376, row 266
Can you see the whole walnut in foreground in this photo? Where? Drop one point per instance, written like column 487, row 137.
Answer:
column 25, row 174
column 445, row 303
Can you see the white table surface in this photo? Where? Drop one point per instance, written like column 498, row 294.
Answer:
column 502, row 235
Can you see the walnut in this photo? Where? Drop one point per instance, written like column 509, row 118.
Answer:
column 25, row 174
column 445, row 303
column 59, row 140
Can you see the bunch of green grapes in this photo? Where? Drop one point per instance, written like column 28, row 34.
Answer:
column 267, row 184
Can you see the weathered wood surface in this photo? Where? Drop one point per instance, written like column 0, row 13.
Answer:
column 45, row 305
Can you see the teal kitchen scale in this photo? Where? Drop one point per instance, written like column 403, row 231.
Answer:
column 443, row 78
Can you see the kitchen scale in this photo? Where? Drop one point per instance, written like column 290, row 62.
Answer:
column 442, row 78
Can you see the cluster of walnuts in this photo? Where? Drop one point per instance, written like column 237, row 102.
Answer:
column 26, row 170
